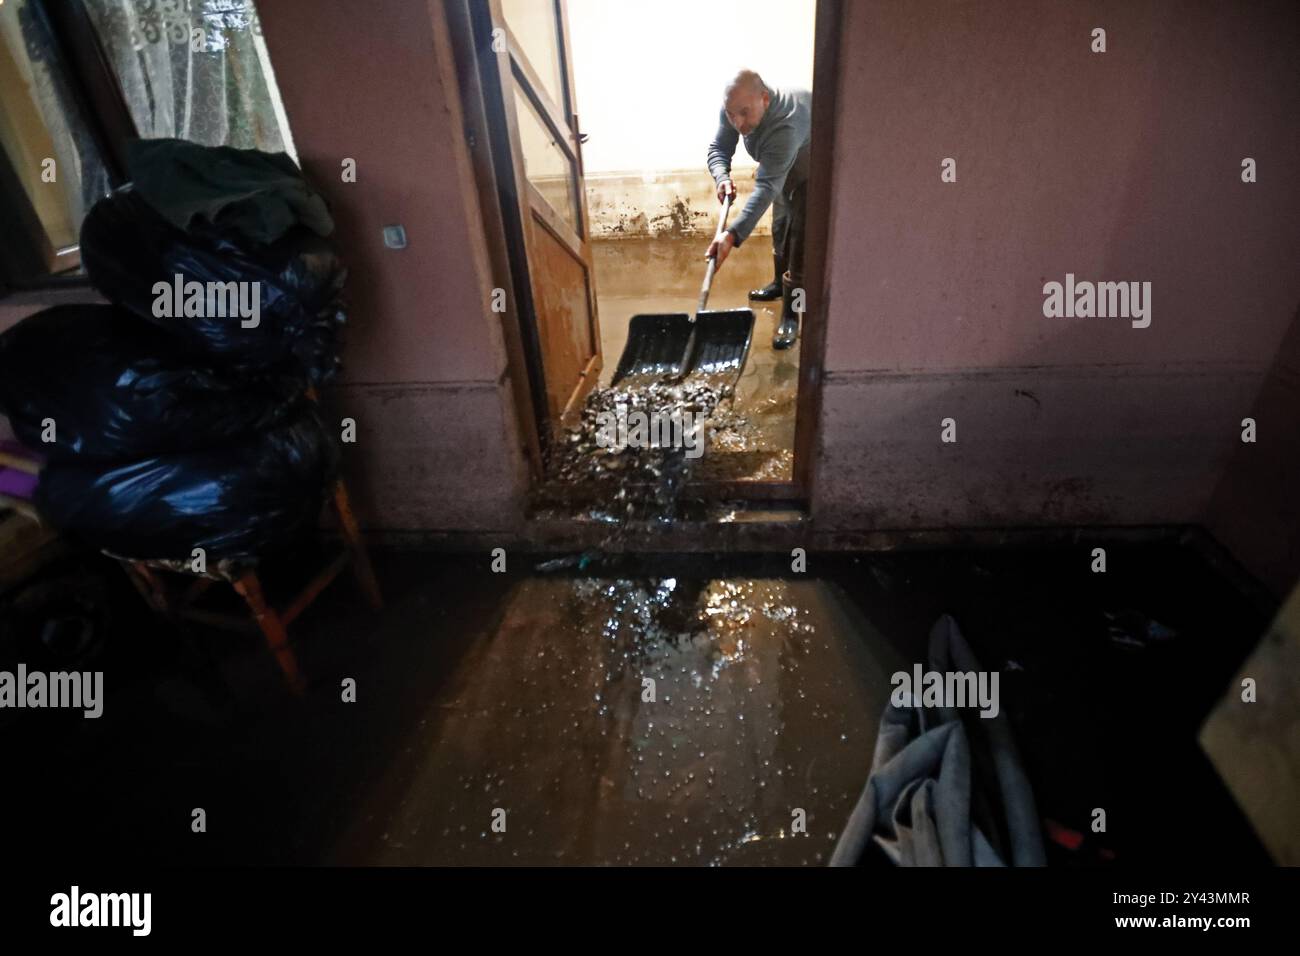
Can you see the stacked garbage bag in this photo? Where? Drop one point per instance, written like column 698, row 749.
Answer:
column 179, row 417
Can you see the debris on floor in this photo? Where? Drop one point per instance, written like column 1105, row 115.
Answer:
column 639, row 474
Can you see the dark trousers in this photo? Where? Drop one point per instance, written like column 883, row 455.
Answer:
column 795, row 193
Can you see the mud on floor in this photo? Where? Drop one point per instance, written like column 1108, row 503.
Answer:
column 635, row 721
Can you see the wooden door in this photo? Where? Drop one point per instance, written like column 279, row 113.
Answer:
column 538, row 157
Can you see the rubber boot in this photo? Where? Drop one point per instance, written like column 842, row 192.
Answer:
column 772, row 290
column 787, row 331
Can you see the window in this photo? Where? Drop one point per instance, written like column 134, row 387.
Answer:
column 79, row 78
column 56, row 167
column 546, row 164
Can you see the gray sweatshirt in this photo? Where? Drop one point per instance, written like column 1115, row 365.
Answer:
column 774, row 144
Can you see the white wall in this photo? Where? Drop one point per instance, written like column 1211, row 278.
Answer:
column 649, row 76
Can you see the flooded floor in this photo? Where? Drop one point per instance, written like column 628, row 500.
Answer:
column 641, row 721
column 667, row 709
column 635, row 276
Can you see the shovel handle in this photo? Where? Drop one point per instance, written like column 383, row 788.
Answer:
column 713, row 259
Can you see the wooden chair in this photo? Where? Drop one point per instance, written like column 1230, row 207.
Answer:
column 148, row 577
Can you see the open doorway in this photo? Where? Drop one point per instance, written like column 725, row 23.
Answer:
column 652, row 204
column 600, row 118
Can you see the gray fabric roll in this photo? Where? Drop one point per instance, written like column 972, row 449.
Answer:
column 917, row 802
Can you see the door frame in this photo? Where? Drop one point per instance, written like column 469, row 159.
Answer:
column 481, row 75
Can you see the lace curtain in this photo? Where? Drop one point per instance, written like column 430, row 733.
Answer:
column 222, row 94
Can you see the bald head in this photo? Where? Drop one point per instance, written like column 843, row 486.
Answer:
column 747, row 81
column 746, row 99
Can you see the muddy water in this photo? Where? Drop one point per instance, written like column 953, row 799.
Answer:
column 641, row 721
column 754, row 437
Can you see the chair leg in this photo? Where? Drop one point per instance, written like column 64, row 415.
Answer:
column 361, row 565
column 150, row 587
column 268, row 619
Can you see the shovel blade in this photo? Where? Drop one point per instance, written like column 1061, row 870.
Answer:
column 722, row 340
column 656, row 346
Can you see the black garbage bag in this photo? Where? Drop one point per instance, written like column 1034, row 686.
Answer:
column 251, row 498
column 117, row 389
column 133, row 256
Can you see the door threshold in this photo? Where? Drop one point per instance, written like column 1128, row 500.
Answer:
column 555, row 493
column 717, row 525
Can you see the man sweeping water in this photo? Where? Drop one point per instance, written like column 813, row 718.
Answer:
column 776, row 126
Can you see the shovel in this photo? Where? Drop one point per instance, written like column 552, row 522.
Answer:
column 673, row 345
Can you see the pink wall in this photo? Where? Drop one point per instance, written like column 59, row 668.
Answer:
column 424, row 361
column 1255, row 511
column 1116, row 166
